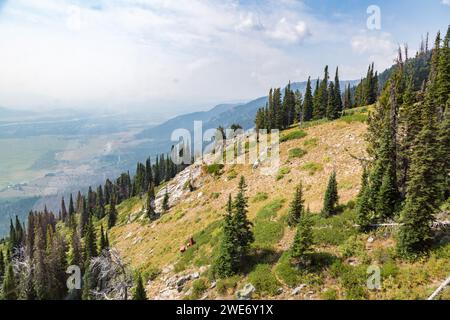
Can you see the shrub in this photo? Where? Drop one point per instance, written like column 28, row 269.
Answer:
column 296, row 153
column 298, row 134
column 214, row 169
column 283, row 171
column 333, row 230
column 227, row 285
column 311, row 143
column 330, row 294
column 215, row 195
column 356, row 117
column 231, row 175
column 312, row 167
column 263, row 280
column 198, row 288
column 260, row 196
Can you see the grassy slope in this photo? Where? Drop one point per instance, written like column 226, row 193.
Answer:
column 342, row 256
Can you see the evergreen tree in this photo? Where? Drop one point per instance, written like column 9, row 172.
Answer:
column 387, row 198
column 424, row 186
column 331, row 196
column 241, row 223
column 337, row 94
column 112, row 214
column 308, row 102
column 151, row 214
column 10, row 285
column 297, row 207
column 363, row 212
column 102, row 243
column 90, row 241
column 139, row 291
column 84, row 217
column 332, row 111
column 87, row 283
column 63, row 210
column 303, row 240
column 2, row 265
column 165, row 203
column 228, row 259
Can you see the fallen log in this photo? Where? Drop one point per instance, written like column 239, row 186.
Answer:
column 439, row 289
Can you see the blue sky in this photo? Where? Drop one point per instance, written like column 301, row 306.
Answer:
column 184, row 55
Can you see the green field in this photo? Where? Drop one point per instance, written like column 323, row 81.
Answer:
column 24, row 159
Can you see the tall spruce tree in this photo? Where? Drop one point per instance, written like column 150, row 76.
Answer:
column 10, row 285
column 297, row 207
column 303, row 240
column 424, row 189
column 308, row 102
column 337, row 94
column 227, row 261
column 363, row 212
column 331, row 198
column 165, row 203
column 241, row 223
column 112, row 214
column 139, row 291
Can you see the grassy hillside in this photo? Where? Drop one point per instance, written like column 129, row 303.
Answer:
column 341, row 254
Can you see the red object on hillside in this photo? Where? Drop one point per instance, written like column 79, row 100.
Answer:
column 182, row 249
column 191, row 241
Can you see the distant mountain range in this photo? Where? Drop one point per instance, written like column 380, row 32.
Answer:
column 221, row 115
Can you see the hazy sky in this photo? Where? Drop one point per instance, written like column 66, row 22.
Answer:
column 189, row 54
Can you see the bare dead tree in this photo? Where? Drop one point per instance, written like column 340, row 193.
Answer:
column 23, row 268
column 113, row 278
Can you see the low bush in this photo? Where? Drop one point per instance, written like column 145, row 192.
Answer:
column 298, row 134
column 296, row 153
column 264, row 280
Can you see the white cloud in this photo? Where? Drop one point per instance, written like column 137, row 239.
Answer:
column 249, row 21
column 447, row 2
column 378, row 47
column 289, row 32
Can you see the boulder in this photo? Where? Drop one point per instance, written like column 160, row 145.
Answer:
column 246, row 292
column 297, row 290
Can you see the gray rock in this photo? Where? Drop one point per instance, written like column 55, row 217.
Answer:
column 246, row 292
column 213, row 285
column 370, row 240
column 297, row 290
column 195, row 275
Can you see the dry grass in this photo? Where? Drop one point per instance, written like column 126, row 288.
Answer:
column 157, row 244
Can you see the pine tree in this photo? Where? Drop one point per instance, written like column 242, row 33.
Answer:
column 331, row 196
column 297, row 207
column 388, row 197
column 10, row 284
column 2, row 265
column 151, row 202
column 308, row 102
column 228, row 259
column 424, row 186
column 332, row 112
column 165, row 203
column 303, row 240
column 112, row 214
column 90, row 241
column 84, row 217
column 102, row 242
column 243, row 226
column 337, row 94
column 139, row 291
column 63, row 210
column 87, row 283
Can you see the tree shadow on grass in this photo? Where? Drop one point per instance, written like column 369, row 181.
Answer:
column 259, row 256
column 320, row 261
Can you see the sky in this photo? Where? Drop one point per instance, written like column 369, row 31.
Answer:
column 188, row 55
